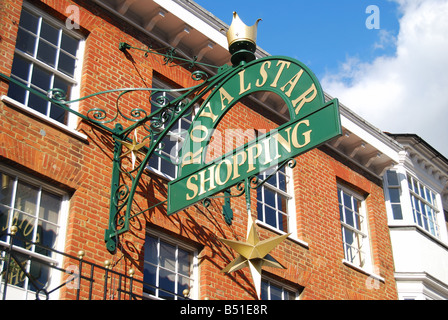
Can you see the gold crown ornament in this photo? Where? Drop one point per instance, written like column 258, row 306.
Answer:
column 242, row 40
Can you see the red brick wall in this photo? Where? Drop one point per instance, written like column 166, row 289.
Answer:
column 83, row 168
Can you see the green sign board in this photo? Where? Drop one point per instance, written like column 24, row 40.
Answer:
column 312, row 123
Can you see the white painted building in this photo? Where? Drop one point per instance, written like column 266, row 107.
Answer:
column 417, row 200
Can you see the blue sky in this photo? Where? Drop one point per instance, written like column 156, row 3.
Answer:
column 390, row 76
column 320, row 33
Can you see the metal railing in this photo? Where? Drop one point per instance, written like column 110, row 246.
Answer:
column 31, row 271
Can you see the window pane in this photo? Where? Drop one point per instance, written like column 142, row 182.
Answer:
column 29, row 21
column 169, row 145
column 264, row 290
column 150, row 278
column 282, row 181
column 46, row 235
column 153, row 162
column 396, row 209
column 47, row 53
column 66, row 64
column 428, row 196
column 25, row 224
column 20, row 68
column 16, row 92
column 184, row 259
column 276, row 293
column 349, row 217
column 167, row 167
column 167, row 256
column 392, row 178
column 348, row 236
column 49, row 33
column 38, row 104
column 56, row 112
column 356, row 205
column 269, row 197
column 358, row 221
column 151, row 250
column 166, row 283
column 41, row 273
column 422, row 191
column 415, row 186
column 394, row 195
column 26, row 42
column 183, row 283
column 41, row 78
column 69, row 44
column 272, row 180
column 50, row 205
column 26, row 197
column 410, row 182
column 5, row 213
column 16, row 275
column 270, row 216
column 281, row 203
column 347, row 201
column 283, row 222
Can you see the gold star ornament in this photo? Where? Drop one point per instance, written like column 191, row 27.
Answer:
column 133, row 148
column 254, row 254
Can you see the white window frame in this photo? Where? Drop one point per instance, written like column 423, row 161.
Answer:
column 194, row 290
column 56, row 260
column 72, row 119
column 387, row 190
column 284, row 287
column 362, row 232
column 417, row 200
column 290, row 205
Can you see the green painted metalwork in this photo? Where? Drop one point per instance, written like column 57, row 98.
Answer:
column 156, row 125
column 281, row 75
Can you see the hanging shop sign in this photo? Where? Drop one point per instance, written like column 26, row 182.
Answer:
column 312, row 122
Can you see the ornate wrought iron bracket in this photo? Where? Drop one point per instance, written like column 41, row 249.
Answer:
column 169, row 57
column 155, row 125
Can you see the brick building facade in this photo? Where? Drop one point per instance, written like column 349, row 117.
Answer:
column 57, row 170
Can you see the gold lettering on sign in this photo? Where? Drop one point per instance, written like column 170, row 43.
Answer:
column 300, row 101
column 203, row 180
column 263, row 74
column 286, row 144
column 242, row 89
column 280, row 71
column 306, row 134
column 201, row 128
column 191, row 157
column 218, row 172
column 230, row 169
column 191, row 186
column 209, row 113
column 225, row 96
column 242, row 155
column 292, row 83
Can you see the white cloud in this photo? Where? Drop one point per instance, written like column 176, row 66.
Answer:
column 407, row 92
